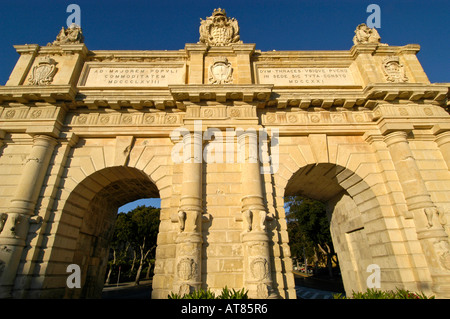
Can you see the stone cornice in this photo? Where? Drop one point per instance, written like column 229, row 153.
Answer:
column 221, row 93
column 32, row 93
column 263, row 95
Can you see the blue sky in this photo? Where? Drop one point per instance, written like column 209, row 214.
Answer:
column 270, row 24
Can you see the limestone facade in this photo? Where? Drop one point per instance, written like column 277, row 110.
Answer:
column 83, row 132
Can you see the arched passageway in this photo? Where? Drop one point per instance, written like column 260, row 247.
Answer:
column 87, row 224
column 351, row 206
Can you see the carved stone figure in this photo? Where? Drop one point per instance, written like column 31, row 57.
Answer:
column 16, row 220
column 3, row 218
column 219, row 30
column 220, row 72
column 393, row 70
column 43, row 73
column 364, row 35
column 249, row 218
column 434, row 212
column 182, row 219
column 72, row 35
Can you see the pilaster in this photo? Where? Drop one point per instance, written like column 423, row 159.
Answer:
column 428, row 219
column 20, row 213
column 196, row 53
column 442, row 133
column 363, row 55
column 188, row 272
column 244, row 70
column 257, row 260
column 27, row 53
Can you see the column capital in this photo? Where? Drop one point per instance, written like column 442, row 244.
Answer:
column 395, row 137
column 195, row 48
column 440, row 128
column 387, row 128
column 44, row 140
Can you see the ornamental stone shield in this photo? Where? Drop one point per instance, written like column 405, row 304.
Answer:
column 187, row 269
column 393, row 70
column 43, row 73
column 260, row 269
column 220, row 72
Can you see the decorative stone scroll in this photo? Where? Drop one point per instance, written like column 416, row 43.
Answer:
column 219, row 30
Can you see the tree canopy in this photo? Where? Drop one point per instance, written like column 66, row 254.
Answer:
column 134, row 239
column 309, row 230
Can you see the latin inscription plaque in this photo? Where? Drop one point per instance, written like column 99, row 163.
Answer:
column 305, row 76
column 133, row 76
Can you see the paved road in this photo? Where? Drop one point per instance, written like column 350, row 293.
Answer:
column 143, row 291
column 311, row 293
column 311, row 288
column 128, row 291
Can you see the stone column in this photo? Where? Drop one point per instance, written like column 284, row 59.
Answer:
column 257, row 259
column 188, row 274
column 428, row 219
column 442, row 133
column 15, row 222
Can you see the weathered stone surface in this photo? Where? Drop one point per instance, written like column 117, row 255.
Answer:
column 363, row 130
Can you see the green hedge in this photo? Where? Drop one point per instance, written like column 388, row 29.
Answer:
column 389, row 294
column 207, row 294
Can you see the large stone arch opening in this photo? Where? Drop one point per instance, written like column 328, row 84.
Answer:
column 355, row 218
column 90, row 213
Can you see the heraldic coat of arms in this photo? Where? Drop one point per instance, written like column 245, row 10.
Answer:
column 219, row 30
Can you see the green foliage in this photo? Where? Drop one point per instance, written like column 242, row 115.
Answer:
column 207, row 294
column 309, row 231
column 311, row 218
column 371, row 293
column 233, row 294
column 134, row 242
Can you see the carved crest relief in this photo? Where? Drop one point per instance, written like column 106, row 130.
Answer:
column 260, row 269
column 394, row 70
column 219, row 30
column 187, row 269
column 220, row 72
column 43, row 73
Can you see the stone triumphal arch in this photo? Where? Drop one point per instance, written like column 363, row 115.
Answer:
column 222, row 132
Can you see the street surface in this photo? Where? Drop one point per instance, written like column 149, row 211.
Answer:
column 306, row 288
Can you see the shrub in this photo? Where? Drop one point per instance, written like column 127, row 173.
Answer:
column 228, row 294
column 207, row 294
column 389, row 294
